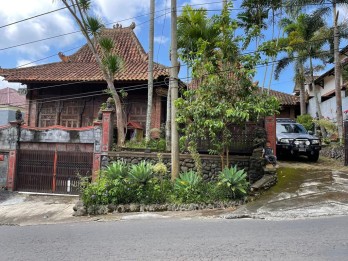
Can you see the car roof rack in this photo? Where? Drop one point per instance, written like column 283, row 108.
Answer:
column 285, row 120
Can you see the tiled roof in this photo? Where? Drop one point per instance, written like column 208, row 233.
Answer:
column 11, row 97
column 83, row 67
column 284, row 98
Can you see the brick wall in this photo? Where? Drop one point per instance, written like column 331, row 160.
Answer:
column 270, row 126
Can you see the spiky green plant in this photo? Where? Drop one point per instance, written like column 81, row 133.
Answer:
column 116, row 170
column 235, row 180
column 141, row 173
column 189, row 179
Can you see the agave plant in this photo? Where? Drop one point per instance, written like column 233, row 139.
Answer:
column 188, row 179
column 235, row 180
column 141, row 173
column 116, row 170
column 188, row 187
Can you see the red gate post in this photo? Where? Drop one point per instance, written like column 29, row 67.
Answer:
column 103, row 131
column 12, row 167
column 270, row 126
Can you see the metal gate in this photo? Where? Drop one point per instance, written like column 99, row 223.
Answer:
column 52, row 171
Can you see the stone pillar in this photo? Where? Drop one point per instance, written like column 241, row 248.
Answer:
column 12, row 156
column 97, row 148
column 270, row 126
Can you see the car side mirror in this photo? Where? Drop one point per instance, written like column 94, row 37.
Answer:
column 310, row 132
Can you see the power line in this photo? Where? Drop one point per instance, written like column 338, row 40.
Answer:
column 61, row 35
column 84, row 95
column 32, row 17
column 127, row 88
column 182, row 78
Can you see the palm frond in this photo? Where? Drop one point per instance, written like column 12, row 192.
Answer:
column 94, row 25
column 281, row 65
column 106, row 44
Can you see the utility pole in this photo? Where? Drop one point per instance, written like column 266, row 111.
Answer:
column 174, row 71
column 150, row 73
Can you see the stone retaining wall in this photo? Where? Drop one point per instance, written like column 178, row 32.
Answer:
column 334, row 152
column 211, row 164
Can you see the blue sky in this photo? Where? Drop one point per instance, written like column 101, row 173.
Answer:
column 124, row 12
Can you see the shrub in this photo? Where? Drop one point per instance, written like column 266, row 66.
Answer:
column 141, row 173
column 116, row 170
column 188, row 188
column 306, row 120
column 235, row 180
column 154, row 191
column 96, row 193
column 160, row 168
column 330, row 127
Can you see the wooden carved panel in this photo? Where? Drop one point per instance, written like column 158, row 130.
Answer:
column 70, row 114
column 47, row 115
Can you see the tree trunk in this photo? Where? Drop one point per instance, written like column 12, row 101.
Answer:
column 339, row 116
column 107, row 76
column 317, row 103
column 174, row 91
column 150, row 74
column 302, row 94
column 119, row 114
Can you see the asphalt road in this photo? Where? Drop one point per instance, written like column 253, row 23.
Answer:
column 179, row 239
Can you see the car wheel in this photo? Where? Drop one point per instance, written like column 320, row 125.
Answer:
column 314, row 157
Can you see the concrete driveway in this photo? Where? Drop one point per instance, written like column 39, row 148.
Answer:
column 29, row 209
column 304, row 190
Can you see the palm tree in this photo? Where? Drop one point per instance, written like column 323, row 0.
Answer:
column 91, row 28
column 194, row 27
column 305, row 40
column 327, row 6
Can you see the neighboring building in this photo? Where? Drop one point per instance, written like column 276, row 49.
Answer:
column 10, row 102
column 325, row 85
column 290, row 104
column 70, row 92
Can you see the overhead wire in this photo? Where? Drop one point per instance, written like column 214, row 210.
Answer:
column 65, row 34
column 127, row 88
column 259, row 65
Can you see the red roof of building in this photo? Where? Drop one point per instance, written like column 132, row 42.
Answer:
column 134, row 125
column 81, row 66
column 11, row 97
column 284, row 98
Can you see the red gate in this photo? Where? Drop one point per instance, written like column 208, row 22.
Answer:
column 52, row 171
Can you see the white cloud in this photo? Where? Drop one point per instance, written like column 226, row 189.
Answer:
column 5, row 84
column 121, row 11
column 34, row 29
column 161, row 39
column 24, row 63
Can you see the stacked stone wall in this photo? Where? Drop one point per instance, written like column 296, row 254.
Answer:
column 211, row 164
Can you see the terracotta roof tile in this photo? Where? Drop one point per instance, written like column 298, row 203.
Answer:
column 284, row 98
column 82, row 65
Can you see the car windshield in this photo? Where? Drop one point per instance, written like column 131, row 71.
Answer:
column 290, row 128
